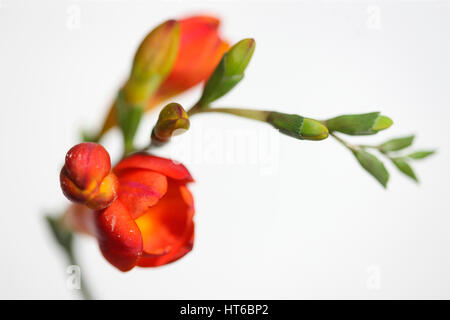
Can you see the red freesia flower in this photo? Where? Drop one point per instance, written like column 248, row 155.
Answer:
column 151, row 221
column 200, row 50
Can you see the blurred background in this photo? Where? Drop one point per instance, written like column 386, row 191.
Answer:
column 276, row 218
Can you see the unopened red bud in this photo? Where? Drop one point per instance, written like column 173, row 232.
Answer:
column 86, row 177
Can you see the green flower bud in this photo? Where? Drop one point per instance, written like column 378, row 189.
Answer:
column 173, row 120
column 153, row 61
column 297, row 126
column 381, row 123
column 238, row 57
column 313, row 130
column 359, row 124
column 228, row 72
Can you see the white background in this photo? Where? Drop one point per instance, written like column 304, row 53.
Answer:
column 302, row 221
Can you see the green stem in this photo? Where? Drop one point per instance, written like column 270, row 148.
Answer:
column 344, row 143
column 244, row 113
column 152, row 144
column 363, row 146
column 64, row 237
column 128, row 147
column 369, row 146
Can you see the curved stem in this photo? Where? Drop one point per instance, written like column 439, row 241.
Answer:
column 343, row 142
column 64, row 237
column 369, row 146
column 258, row 115
column 360, row 146
column 244, row 113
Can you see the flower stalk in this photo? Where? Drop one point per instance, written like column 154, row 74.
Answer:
column 65, row 238
column 292, row 125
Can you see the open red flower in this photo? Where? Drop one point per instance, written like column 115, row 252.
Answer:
column 151, row 221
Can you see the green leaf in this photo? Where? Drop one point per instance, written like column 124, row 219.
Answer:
column 404, row 167
column 417, row 155
column 63, row 236
column 229, row 72
column 397, row 144
column 359, row 124
column 372, row 165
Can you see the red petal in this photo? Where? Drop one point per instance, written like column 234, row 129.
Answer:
column 164, row 166
column 118, row 236
column 87, row 162
column 201, row 49
column 80, row 218
column 140, row 189
column 167, row 229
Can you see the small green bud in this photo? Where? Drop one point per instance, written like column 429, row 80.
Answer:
column 228, row 72
column 313, row 130
column 173, row 120
column 238, row 57
column 297, row 126
column 381, row 123
column 359, row 124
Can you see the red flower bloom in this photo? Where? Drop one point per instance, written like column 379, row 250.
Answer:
column 151, row 221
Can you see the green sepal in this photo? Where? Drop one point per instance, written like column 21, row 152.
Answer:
column 372, row 165
column 297, row 126
column 418, row 155
column 359, row 124
column 405, row 168
column 289, row 124
column 228, row 73
column 129, row 116
column 397, row 144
